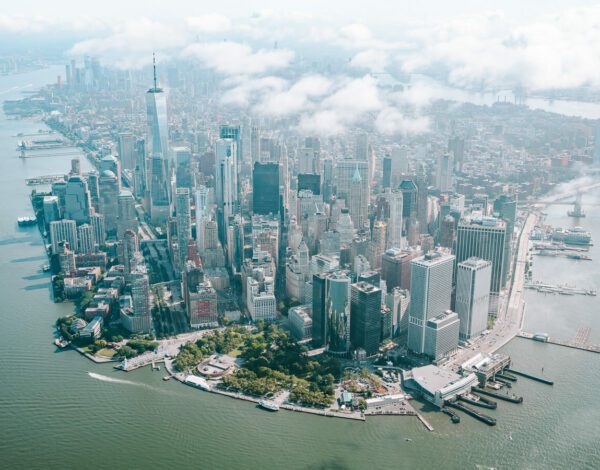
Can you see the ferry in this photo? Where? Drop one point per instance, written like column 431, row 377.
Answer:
column 268, row 405
column 26, row 221
column 574, row 236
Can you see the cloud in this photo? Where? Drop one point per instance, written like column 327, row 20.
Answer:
column 490, row 51
column 243, row 91
column 232, row 58
column 131, row 44
column 391, row 121
column 210, row 23
column 294, row 99
column 374, row 60
column 41, row 24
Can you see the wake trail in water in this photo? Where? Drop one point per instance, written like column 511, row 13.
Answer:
column 104, row 378
column 4, row 92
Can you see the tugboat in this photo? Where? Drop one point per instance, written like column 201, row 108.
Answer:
column 268, row 405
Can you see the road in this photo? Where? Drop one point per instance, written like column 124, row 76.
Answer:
column 510, row 317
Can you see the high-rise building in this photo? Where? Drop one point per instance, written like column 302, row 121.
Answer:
column 77, row 200
column 444, row 174
column 109, row 200
column 386, row 174
column 200, row 298
column 226, row 186
column 261, row 301
column 473, row 278
column 394, row 217
column 63, row 230
column 358, row 200
column 395, row 267
column 202, row 213
column 85, row 238
column 51, row 209
column 265, row 188
column 327, row 179
column 365, row 317
column 184, row 223
column 409, row 200
column 139, row 319
column 331, row 311
column 158, row 143
column 97, row 223
column 485, row 238
column 441, row 335
column 127, row 150
column 127, row 216
column 130, row 250
column 309, row 181
column 430, row 294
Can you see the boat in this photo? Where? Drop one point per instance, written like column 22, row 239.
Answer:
column 46, row 268
column 408, row 439
column 197, row 382
column 166, row 377
column 26, row 221
column 268, row 405
column 579, row 256
column 574, row 236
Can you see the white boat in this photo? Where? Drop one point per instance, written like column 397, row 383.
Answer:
column 268, row 405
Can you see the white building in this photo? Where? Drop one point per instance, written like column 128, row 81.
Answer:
column 63, row 230
column 260, row 297
column 430, row 291
column 473, row 279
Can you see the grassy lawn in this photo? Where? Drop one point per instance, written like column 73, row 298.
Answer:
column 234, row 353
column 106, row 352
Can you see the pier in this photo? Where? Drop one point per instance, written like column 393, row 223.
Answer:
column 532, row 377
column 579, row 342
column 475, row 414
column 499, row 396
column 562, row 289
column 44, row 179
column 479, row 401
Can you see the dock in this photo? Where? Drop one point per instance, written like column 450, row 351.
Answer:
column 425, row 423
column 474, row 413
column 499, row 396
column 532, row 377
column 579, row 342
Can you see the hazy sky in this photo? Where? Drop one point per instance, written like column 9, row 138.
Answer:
column 368, row 11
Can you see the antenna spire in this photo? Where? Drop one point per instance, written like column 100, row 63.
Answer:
column 154, row 68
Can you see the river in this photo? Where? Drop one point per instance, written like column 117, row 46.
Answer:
column 59, row 410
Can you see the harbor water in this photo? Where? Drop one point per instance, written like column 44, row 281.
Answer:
column 59, row 410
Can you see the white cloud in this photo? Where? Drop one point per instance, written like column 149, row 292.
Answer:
column 40, row 24
column 232, row 58
column 131, row 44
column 296, row 98
column 210, row 23
column 562, row 51
column 375, row 60
column 242, row 91
column 392, row 121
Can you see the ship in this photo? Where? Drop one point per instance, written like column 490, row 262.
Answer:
column 574, row 236
column 26, row 221
column 268, row 405
column 580, row 256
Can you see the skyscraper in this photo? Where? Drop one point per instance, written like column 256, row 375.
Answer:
column 202, row 214
column 331, row 311
column 130, row 249
column 358, row 200
column 109, row 200
column 127, row 217
column 394, row 218
column 473, row 279
column 430, row 294
column 365, row 317
column 444, row 174
column 97, row 223
column 127, row 150
column 485, row 238
column 77, row 200
column 85, row 238
column 158, row 141
column 184, row 222
column 63, row 230
column 226, row 186
column 265, row 188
